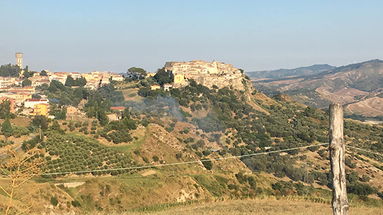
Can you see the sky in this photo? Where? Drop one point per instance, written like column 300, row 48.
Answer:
column 114, row 35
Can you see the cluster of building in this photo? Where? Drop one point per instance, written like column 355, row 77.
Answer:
column 94, row 80
column 209, row 74
column 21, row 97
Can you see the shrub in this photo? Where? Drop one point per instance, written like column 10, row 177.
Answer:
column 365, row 178
column 207, row 164
column 75, row 203
column 145, row 159
column 179, row 156
column 360, row 189
column 349, row 163
column 380, row 195
column 54, row 201
column 155, row 158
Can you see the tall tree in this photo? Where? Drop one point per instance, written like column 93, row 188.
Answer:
column 6, row 129
column 5, row 109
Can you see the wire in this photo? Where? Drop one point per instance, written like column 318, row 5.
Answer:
column 182, row 163
column 364, row 150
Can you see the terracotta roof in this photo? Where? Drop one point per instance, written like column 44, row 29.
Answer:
column 37, row 100
column 117, row 108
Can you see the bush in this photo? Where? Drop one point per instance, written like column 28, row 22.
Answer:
column 54, row 201
column 360, row 189
column 380, row 195
column 207, row 164
column 365, row 178
column 145, row 159
column 179, row 156
column 155, row 158
column 349, row 163
column 119, row 136
column 75, row 203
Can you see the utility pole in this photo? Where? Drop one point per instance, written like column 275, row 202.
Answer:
column 337, row 159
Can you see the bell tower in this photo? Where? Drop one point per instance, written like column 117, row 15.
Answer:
column 19, row 59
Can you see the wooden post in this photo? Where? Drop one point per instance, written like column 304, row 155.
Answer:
column 337, row 157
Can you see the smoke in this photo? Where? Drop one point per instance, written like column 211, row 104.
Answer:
column 158, row 106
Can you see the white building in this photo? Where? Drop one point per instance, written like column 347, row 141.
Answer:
column 30, row 103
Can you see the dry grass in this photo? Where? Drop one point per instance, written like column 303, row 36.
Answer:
column 260, row 207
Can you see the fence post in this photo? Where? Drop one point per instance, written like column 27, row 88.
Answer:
column 337, row 159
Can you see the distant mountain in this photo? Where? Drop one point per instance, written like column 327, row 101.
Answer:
column 288, row 73
column 358, row 86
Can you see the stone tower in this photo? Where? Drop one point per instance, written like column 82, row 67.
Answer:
column 19, row 59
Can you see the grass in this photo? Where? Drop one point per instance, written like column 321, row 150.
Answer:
column 246, row 207
column 264, row 207
column 136, row 144
column 211, row 184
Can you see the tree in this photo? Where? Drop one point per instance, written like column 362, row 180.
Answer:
column 163, row 77
column 9, row 70
column 55, row 86
column 28, row 74
column 69, row 81
column 43, row 73
column 6, row 129
column 57, row 111
column 207, row 164
column 97, row 106
column 5, row 109
column 135, row 73
column 19, row 168
column 40, row 122
column 26, row 82
column 36, row 96
column 80, row 82
column 56, row 126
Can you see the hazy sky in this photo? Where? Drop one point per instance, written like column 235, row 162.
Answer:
column 87, row 35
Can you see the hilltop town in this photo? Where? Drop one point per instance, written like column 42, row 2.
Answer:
column 205, row 73
column 26, row 97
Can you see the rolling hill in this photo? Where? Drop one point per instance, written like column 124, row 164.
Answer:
column 289, row 73
column 358, row 86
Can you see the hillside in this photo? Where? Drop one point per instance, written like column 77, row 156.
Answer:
column 187, row 145
column 358, row 86
column 290, row 73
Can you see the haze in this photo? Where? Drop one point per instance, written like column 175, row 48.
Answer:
column 254, row 35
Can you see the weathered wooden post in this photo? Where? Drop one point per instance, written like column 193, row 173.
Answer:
column 337, row 157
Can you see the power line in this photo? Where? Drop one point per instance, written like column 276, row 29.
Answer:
column 183, row 163
column 364, row 150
